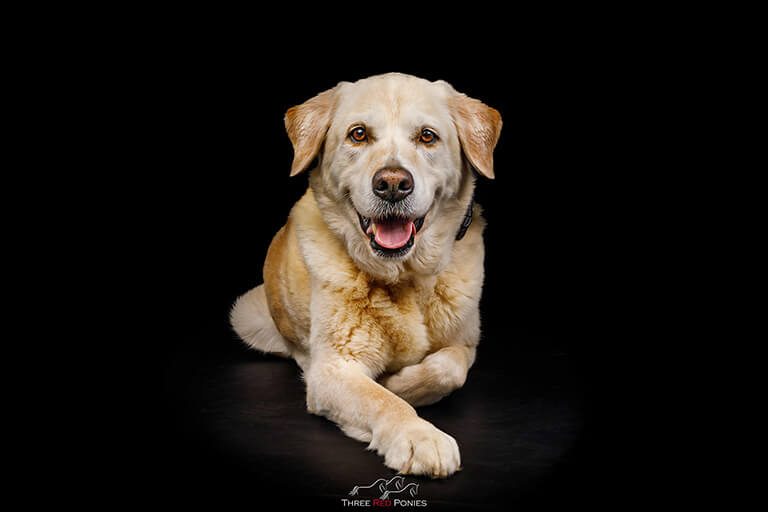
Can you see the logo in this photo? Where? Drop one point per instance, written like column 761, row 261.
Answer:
column 394, row 492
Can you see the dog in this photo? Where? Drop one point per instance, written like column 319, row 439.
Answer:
column 373, row 284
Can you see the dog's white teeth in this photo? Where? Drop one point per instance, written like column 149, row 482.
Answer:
column 372, row 229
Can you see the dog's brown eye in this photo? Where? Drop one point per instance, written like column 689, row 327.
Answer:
column 358, row 134
column 427, row 136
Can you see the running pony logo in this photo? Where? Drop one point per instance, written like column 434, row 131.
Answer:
column 381, row 484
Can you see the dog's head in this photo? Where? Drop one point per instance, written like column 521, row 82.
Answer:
column 394, row 176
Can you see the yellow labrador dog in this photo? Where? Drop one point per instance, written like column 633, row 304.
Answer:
column 373, row 284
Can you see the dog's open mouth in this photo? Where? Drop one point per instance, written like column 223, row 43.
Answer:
column 391, row 236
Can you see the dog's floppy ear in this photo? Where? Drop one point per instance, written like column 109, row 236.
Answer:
column 307, row 125
column 479, row 127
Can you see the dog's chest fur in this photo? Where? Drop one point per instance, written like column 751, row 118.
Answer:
column 392, row 326
column 319, row 298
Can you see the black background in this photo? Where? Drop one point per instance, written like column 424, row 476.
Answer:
column 203, row 186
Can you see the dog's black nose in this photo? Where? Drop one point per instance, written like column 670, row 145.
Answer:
column 392, row 185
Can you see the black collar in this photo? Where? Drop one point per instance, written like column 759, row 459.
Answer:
column 466, row 222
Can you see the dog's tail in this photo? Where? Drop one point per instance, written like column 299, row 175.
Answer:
column 251, row 320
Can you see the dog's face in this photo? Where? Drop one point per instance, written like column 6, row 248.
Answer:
column 393, row 181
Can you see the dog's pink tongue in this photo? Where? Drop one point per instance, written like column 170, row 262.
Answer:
column 394, row 234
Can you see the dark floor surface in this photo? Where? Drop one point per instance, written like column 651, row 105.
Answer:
column 232, row 422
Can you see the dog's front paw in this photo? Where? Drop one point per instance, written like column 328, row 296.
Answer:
column 420, row 448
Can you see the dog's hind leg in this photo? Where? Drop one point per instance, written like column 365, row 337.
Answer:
column 251, row 320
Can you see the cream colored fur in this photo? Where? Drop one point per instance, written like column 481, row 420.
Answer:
column 376, row 336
